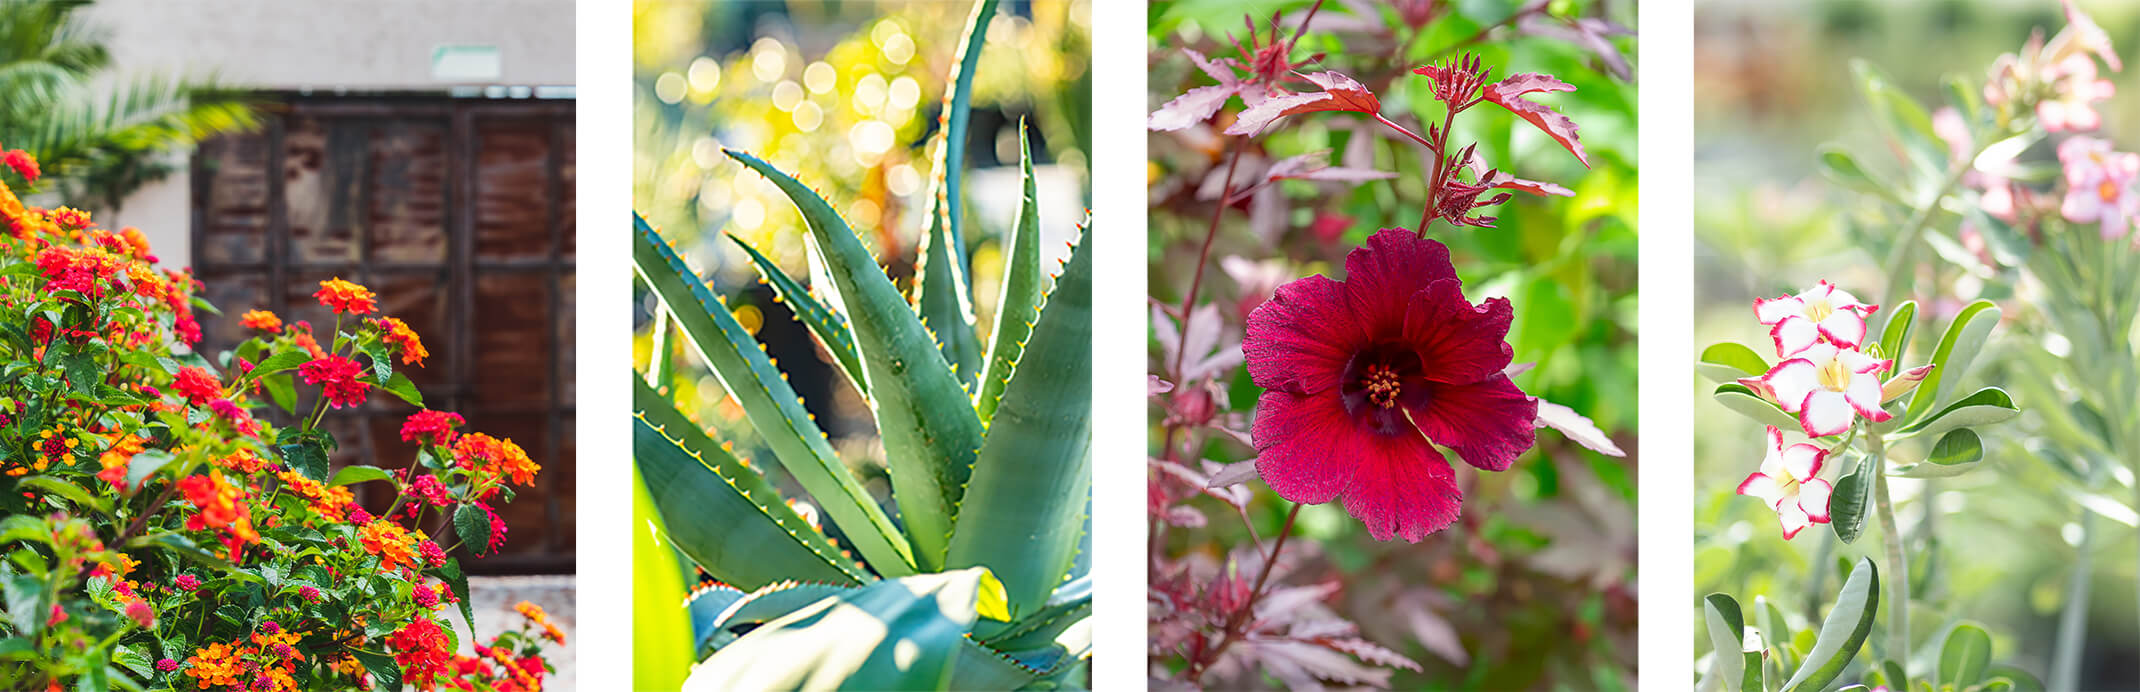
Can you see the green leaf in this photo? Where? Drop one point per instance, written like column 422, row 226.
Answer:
column 457, row 580
column 1738, row 398
column 942, row 297
column 1018, row 302
column 1850, row 507
column 1775, row 631
column 1896, row 677
column 1986, row 406
column 2022, row 680
column 772, row 406
column 1844, row 631
column 661, row 632
column 903, row 633
column 305, row 451
column 386, row 674
column 1957, row 347
column 1841, row 167
column 1727, row 629
column 185, row 547
column 144, row 465
column 279, row 362
column 1964, row 657
column 770, row 603
column 352, row 475
column 1895, row 334
column 727, row 518
column 1901, row 118
column 472, row 524
column 1728, row 361
column 957, row 111
column 283, row 389
column 1024, row 511
column 925, row 419
column 400, row 386
column 73, row 493
column 830, row 327
column 1956, row 448
column 1070, row 605
column 84, row 369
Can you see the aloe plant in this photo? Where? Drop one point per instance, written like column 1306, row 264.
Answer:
column 976, row 578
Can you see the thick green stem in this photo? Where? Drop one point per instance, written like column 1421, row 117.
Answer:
column 2073, row 620
column 1898, row 564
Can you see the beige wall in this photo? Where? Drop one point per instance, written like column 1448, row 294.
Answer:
column 322, row 45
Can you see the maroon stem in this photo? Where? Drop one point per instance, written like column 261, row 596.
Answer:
column 1441, row 165
column 1240, row 617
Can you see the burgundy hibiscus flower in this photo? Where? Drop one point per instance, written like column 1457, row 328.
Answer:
column 1363, row 377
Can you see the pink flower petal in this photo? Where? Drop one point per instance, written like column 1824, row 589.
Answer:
column 1803, row 460
column 1382, row 274
column 1864, row 397
column 1761, row 486
column 1794, row 519
column 1813, row 499
column 1791, row 381
column 1794, row 335
column 1488, row 424
column 1460, row 343
column 1826, row 413
column 1404, row 489
column 1844, row 327
column 1773, row 310
column 1300, row 339
column 1308, row 447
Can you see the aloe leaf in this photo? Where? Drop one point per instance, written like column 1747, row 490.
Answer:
column 1024, row 511
column 829, row 326
column 1844, row 630
column 979, row 667
column 662, row 358
column 941, row 297
column 772, row 406
column 903, row 633
column 704, row 606
column 927, row 422
column 1019, row 302
column 1957, row 347
column 726, row 517
column 1071, row 603
column 957, row 111
column 764, row 605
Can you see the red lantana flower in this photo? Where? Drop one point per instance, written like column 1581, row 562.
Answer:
column 24, row 164
column 431, row 427
column 1363, row 377
column 197, row 385
column 341, row 378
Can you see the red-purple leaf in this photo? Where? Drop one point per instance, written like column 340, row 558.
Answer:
column 1340, row 93
column 1195, row 106
column 1509, row 94
column 1310, row 166
column 1510, row 182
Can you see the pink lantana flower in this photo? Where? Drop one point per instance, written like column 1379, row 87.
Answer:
column 1824, row 311
column 1787, row 482
column 1827, row 387
column 1363, row 377
column 2099, row 185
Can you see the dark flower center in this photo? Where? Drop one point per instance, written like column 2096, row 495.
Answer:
column 1379, row 383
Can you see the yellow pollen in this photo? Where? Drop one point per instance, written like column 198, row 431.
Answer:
column 1834, row 376
column 2107, row 190
column 1382, row 385
column 1819, row 310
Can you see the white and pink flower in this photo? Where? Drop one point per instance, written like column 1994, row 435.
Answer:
column 1789, row 482
column 1827, row 387
column 2099, row 185
column 1798, row 322
column 2076, row 89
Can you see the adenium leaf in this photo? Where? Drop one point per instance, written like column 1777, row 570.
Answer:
column 1851, row 502
column 1727, row 627
column 1964, row 657
column 1340, row 93
column 1843, row 632
column 1508, row 93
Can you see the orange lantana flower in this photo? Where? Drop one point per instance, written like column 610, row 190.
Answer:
column 262, row 320
column 494, row 457
column 399, row 334
column 346, row 297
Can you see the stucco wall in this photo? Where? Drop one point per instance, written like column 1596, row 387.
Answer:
column 327, row 45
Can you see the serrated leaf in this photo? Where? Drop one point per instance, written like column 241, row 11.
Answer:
column 1024, row 511
column 1069, row 604
column 925, row 419
column 830, row 327
column 941, row 298
column 400, row 386
column 1843, row 632
column 386, row 674
column 726, row 517
column 1728, row 361
column 1964, row 337
column 903, row 633
column 472, row 524
column 305, row 451
column 1964, row 657
column 282, row 389
column 73, row 493
column 772, row 406
column 1018, row 302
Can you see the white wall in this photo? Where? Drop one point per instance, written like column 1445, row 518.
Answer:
column 324, row 45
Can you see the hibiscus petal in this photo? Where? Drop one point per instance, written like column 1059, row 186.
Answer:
column 1794, row 335
column 1791, row 381
column 1761, row 486
column 1773, row 310
column 1488, row 424
column 1308, row 448
column 1404, row 488
column 1382, row 274
column 1459, row 343
column 1803, row 460
column 1192, row 107
column 1826, row 413
column 1301, row 338
column 1864, row 397
column 1813, row 499
column 1844, row 327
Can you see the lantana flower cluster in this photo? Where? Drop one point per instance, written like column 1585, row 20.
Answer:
column 1827, row 379
column 174, row 519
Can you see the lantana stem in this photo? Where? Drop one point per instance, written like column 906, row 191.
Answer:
column 1898, row 568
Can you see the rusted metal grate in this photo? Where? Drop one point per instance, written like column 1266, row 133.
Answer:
column 459, row 214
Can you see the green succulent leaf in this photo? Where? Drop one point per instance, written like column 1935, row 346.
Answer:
column 829, row 326
column 1964, row 657
column 941, row 298
column 1985, row 407
column 1070, row 604
column 662, row 368
column 726, row 517
column 1018, row 304
column 1965, row 336
column 772, row 406
column 1738, row 398
column 1728, row 361
column 1895, row 334
column 1727, row 628
column 924, row 416
column 1956, row 453
column 2021, row 680
column 1024, row 511
column 1842, row 168
column 1843, row 632
column 1850, row 506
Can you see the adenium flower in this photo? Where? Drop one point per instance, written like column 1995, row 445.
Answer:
column 1827, row 387
column 1364, row 377
column 2099, row 185
column 1824, row 311
column 2075, row 91
column 1787, row 482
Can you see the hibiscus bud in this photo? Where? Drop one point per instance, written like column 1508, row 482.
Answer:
column 1902, row 384
column 1195, row 405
